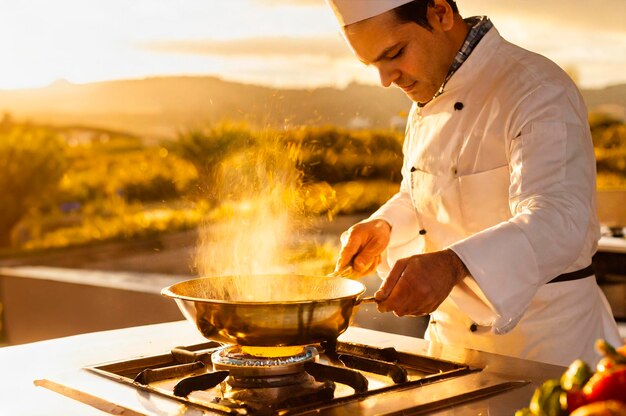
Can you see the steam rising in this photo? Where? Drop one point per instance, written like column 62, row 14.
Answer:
column 260, row 214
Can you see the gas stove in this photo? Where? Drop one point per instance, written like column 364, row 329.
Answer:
column 231, row 379
column 365, row 372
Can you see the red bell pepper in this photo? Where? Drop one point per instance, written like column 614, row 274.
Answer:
column 607, row 386
column 573, row 400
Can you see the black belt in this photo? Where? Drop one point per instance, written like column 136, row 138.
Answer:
column 578, row 274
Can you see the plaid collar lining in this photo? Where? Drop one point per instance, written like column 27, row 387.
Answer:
column 479, row 26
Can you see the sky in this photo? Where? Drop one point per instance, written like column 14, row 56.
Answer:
column 280, row 43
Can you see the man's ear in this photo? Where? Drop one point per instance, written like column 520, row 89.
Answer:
column 442, row 14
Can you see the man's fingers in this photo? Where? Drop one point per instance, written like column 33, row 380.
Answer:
column 368, row 254
column 390, row 282
column 362, row 245
column 363, row 262
column 350, row 247
column 358, row 250
column 372, row 266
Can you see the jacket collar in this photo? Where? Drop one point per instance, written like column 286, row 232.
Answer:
column 474, row 63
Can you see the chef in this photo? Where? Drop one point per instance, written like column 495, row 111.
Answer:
column 494, row 226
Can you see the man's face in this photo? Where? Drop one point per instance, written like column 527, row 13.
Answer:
column 405, row 54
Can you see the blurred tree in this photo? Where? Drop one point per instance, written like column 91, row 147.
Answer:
column 7, row 122
column 32, row 161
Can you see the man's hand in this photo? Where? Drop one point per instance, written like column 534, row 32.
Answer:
column 418, row 284
column 361, row 247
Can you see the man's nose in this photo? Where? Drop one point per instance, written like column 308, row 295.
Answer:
column 388, row 74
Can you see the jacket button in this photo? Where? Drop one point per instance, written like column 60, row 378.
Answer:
column 458, row 105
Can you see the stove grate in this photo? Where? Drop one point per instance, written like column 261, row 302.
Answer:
column 202, row 382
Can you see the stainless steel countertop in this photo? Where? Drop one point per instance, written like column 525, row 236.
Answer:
column 62, row 360
column 612, row 244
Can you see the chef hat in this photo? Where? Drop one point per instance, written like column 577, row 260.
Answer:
column 352, row 11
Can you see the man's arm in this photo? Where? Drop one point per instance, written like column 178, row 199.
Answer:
column 394, row 224
column 552, row 175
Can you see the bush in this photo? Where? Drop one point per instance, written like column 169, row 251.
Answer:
column 32, row 161
column 610, row 181
column 609, row 142
column 144, row 174
column 335, row 155
column 115, row 220
column 156, row 188
column 610, row 149
column 599, row 122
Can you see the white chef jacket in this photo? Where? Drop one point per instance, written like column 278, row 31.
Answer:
column 500, row 168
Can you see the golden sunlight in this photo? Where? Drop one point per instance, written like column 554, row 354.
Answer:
column 277, row 43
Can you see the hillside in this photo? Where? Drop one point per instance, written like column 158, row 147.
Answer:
column 610, row 99
column 160, row 107
column 163, row 106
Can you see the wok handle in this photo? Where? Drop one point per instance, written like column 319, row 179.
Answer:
column 366, row 299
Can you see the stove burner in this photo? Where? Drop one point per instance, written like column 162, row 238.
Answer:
column 301, row 378
column 263, row 361
column 270, row 378
column 279, row 393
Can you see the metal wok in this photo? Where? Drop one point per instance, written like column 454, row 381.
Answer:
column 268, row 310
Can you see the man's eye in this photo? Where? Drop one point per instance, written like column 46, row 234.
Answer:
column 397, row 54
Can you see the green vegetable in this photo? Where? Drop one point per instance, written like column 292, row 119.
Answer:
column 546, row 400
column 576, row 376
column 608, row 351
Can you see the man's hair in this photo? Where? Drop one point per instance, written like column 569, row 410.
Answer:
column 415, row 11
